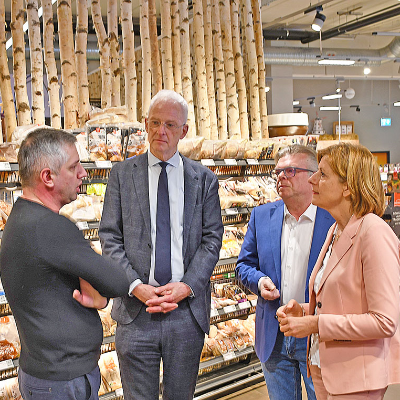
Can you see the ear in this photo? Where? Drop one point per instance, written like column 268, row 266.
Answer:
column 346, row 190
column 46, row 177
column 184, row 131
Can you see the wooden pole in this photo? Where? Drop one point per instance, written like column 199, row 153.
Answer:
column 81, row 60
column 35, row 48
column 19, row 64
column 146, row 57
column 5, row 80
column 155, row 51
column 176, row 46
column 129, row 59
column 166, row 45
column 219, row 72
column 112, row 26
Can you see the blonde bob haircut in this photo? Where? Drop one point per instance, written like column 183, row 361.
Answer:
column 356, row 165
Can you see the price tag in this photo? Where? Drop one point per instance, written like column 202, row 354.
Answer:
column 214, row 313
column 230, row 355
column 244, row 305
column 3, row 299
column 119, row 392
column 7, row 364
column 252, row 161
column 103, row 164
column 229, row 309
column 231, row 211
column 254, row 302
column 5, row 166
column 208, row 162
column 82, row 225
column 230, row 161
column 384, row 176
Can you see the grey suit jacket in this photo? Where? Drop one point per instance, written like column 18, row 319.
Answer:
column 125, row 232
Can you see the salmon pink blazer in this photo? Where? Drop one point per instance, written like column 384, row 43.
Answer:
column 358, row 307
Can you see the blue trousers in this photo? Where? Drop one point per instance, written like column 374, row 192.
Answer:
column 283, row 369
column 84, row 387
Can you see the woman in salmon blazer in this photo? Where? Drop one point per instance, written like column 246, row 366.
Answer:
column 353, row 314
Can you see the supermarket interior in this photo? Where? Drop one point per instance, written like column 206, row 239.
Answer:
column 257, row 76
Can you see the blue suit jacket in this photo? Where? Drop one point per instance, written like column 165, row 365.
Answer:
column 261, row 256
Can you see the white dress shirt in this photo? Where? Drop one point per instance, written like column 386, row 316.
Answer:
column 296, row 242
column 175, row 176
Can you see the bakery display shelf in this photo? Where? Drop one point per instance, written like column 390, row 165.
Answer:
column 239, row 311
column 8, row 369
column 116, row 395
column 225, row 266
column 234, row 219
column 4, row 306
column 229, row 378
column 235, row 210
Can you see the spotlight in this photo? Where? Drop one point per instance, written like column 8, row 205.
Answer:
column 367, row 70
column 358, row 109
column 311, row 101
column 318, row 22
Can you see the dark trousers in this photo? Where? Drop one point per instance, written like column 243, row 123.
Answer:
column 175, row 338
column 84, row 387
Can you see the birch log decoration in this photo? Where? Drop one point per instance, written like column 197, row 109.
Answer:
column 231, row 91
column 155, row 50
column 255, row 4
column 219, row 72
column 128, row 42
column 53, row 86
column 239, row 72
column 104, row 49
column 176, row 46
column 5, row 81
column 208, row 47
column 35, row 48
column 139, row 75
column 203, row 110
column 166, row 45
column 112, row 26
column 253, row 73
column 19, row 64
column 187, row 90
column 68, row 68
column 146, row 57
column 81, row 61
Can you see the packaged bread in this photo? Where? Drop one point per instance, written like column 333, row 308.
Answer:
column 9, row 389
column 109, row 370
column 8, row 152
column 10, row 345
column 97, row 142
column 114, row 143
column 234, row 149
column 191, row 147
column 134, row 140
column 109, row 325
column 212, row 149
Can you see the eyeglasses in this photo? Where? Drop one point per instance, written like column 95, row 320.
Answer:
column 169, row 126
column 289, row 172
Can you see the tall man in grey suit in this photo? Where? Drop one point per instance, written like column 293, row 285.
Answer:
column 166, row 312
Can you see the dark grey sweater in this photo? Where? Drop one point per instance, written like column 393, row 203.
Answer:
column 42, row 257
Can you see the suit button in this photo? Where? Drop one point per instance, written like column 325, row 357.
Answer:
column 146, row 274
column 149, row 244
column 319, row 304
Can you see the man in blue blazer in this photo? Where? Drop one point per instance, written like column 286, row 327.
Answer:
column 167, row 310
column 279, row 251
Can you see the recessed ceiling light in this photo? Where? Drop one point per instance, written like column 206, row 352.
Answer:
column 367, row 70
column 335, row 62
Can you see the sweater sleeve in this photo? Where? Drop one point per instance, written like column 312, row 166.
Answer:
column 63, row 246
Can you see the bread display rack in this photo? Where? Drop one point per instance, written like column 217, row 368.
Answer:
column 217, row 373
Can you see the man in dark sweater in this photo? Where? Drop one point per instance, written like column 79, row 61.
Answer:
column 53, row 280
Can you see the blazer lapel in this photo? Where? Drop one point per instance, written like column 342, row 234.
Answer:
column 342, row 246
column 191, row 187
column 140, row 178
column 275, row 238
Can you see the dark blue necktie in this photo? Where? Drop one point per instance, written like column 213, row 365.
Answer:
column 162, row 272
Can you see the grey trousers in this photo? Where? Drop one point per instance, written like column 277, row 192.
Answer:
column 175, row 338
column 84, row 387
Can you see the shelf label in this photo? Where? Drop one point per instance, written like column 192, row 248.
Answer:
column 243, row 305
column 230, row 161
column 3, row 299
column 82, row 225
column 214, row 313
column 252, row 161
column 5, row 166
column 119, row 392
column 229, row 309
column 103, row 164
column 254, row 302
column 6, row 364
column 231, row 211
column 384, row 176
column 208, row 162
column 230, row 355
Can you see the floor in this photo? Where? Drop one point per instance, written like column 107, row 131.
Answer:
column 259, row 392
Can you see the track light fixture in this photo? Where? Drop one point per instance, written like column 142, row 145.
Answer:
column 319, row 20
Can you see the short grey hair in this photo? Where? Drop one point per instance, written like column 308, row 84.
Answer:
column 170, row 96
column 309, row 152
column 43, row 148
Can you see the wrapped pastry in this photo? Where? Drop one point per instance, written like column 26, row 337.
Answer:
column 191, row 147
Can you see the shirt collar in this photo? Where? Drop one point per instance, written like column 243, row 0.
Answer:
column 153, row 160
column 310, row 213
